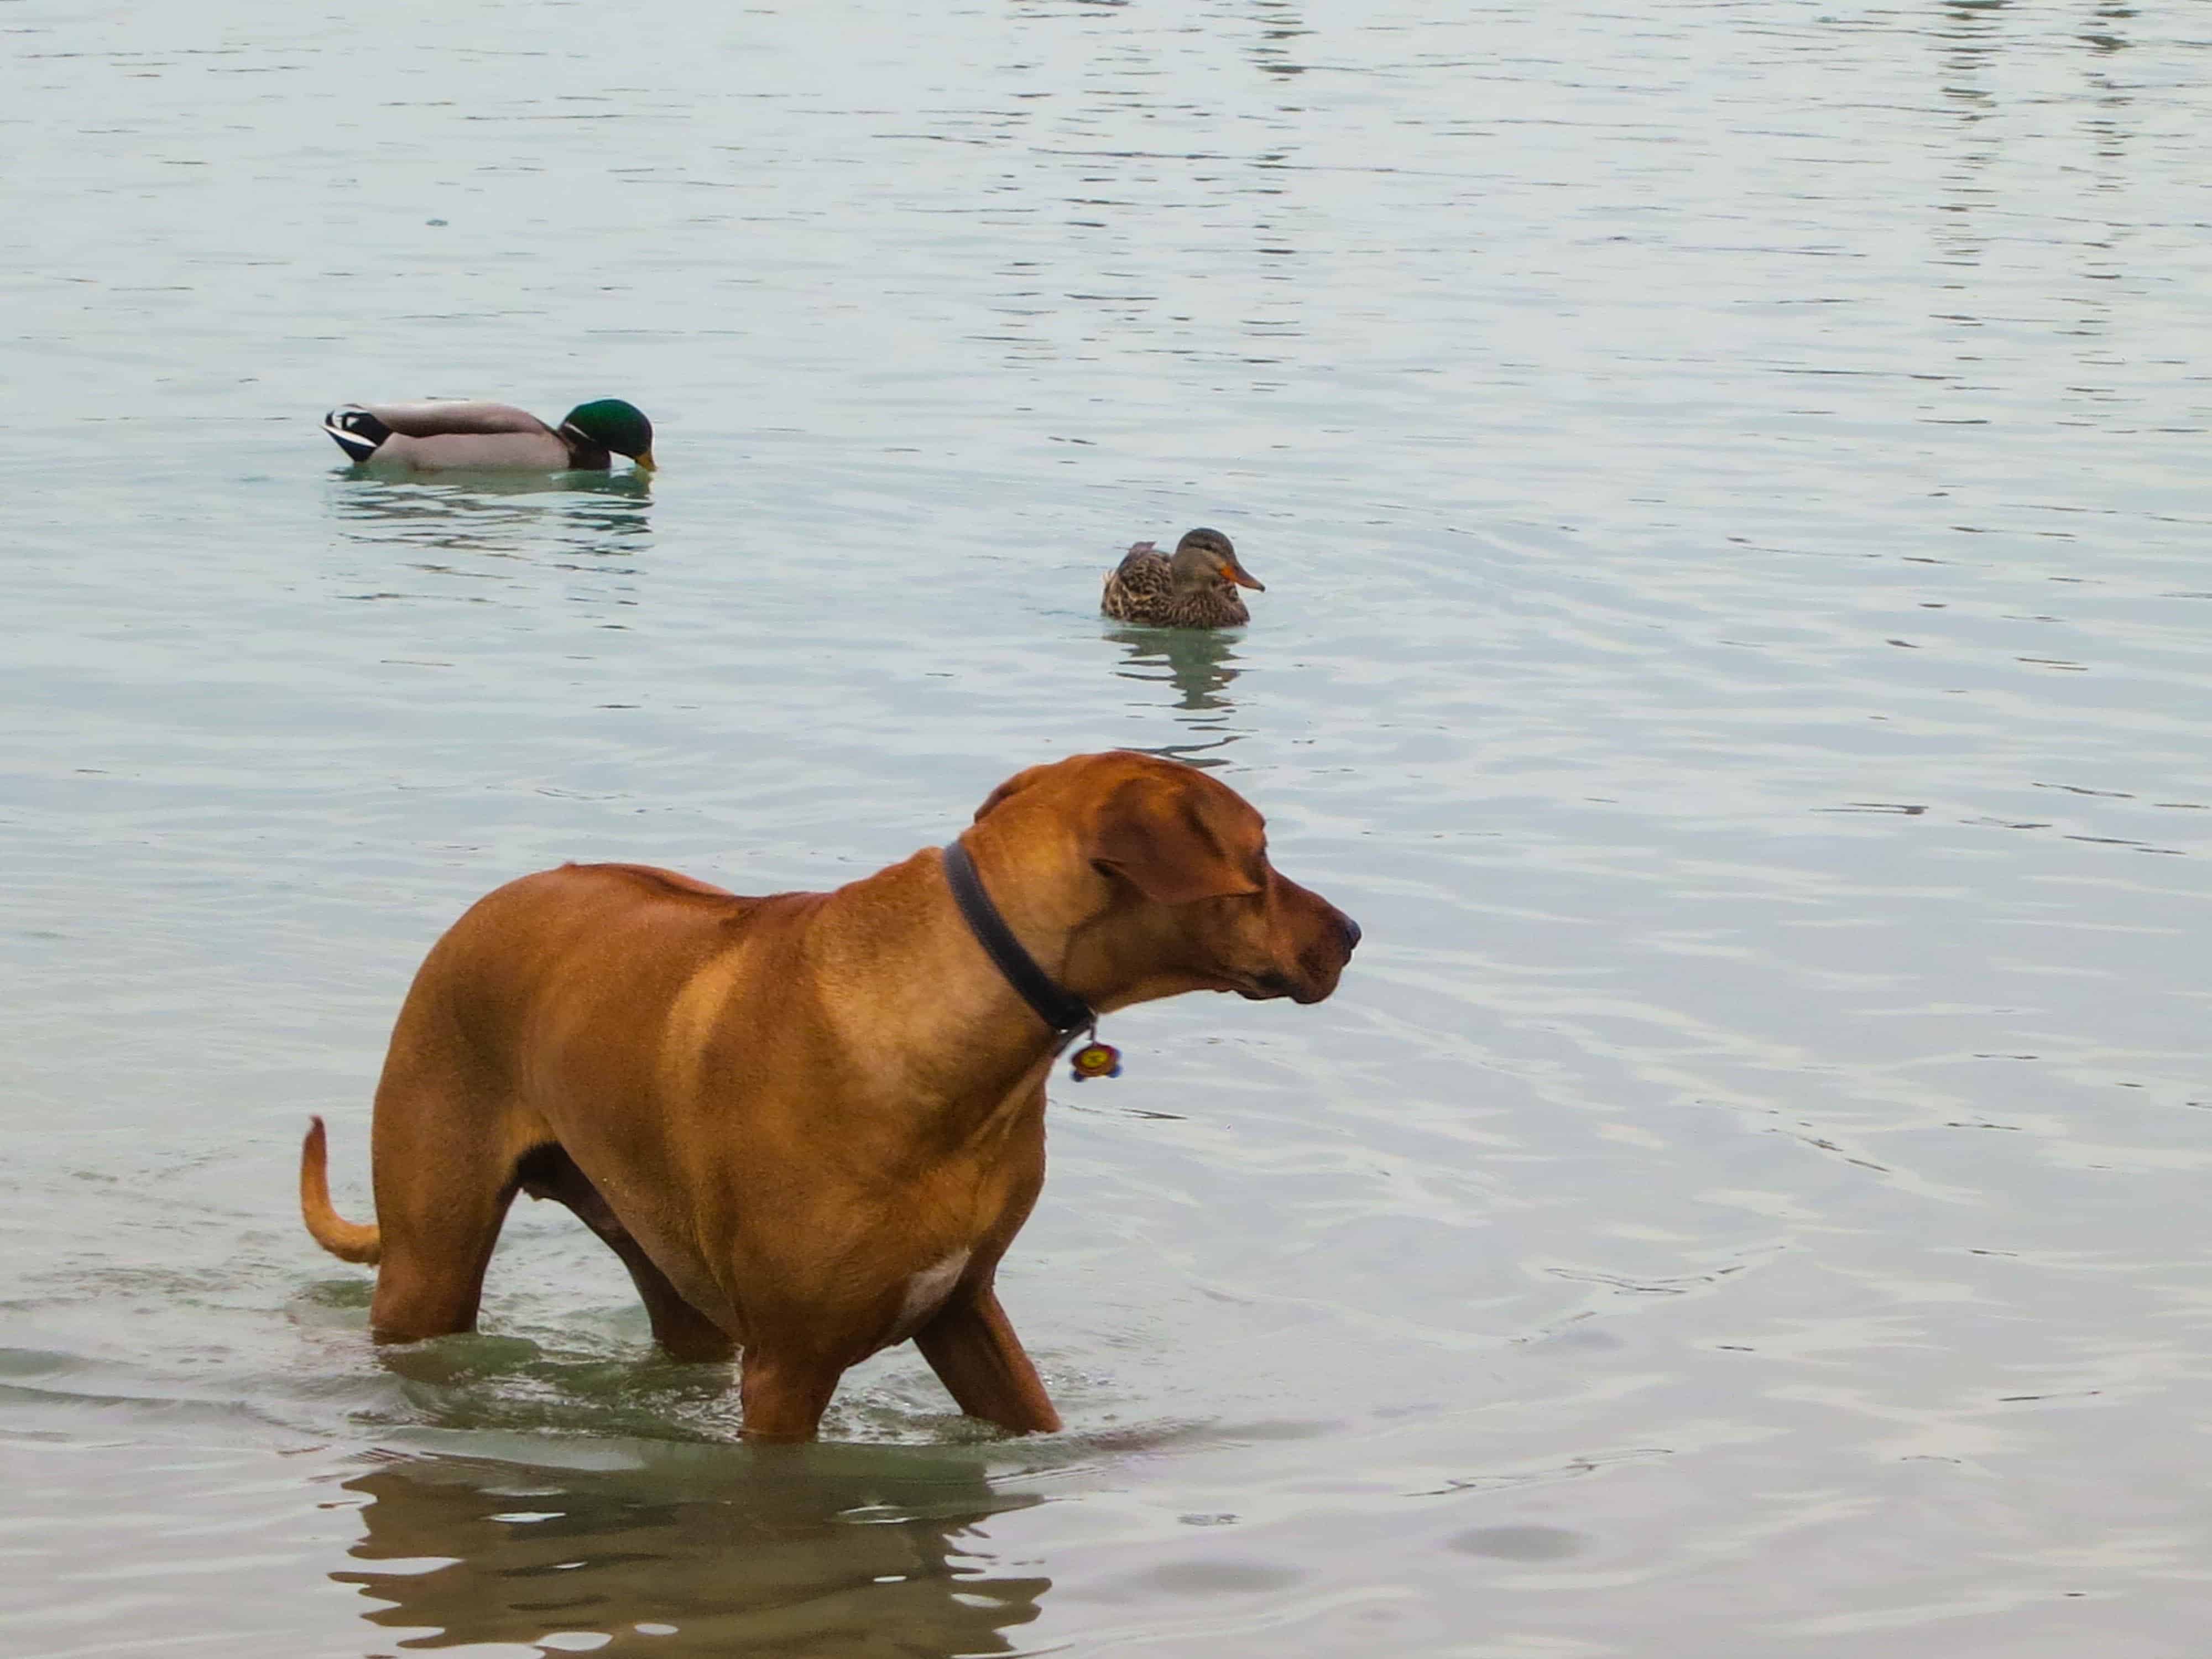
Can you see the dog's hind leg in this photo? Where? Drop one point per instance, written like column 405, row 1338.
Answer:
column 431, row 1278
column 444, row 1174
column 437, row 1243
column 680, row 1328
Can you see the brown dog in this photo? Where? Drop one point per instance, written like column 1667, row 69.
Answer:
column 811, row 1124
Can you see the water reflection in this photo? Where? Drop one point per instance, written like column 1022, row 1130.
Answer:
column 499, row 512
column 2105, row 34
column 2108, row 107
column 854, row 1551
column 1968, row 38
column 1199, row 663
column 1281, row 22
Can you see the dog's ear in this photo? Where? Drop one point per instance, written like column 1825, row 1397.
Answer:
column 1019, row 781
column 1179, row 845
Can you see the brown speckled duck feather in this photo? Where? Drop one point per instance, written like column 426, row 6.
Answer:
column 1196, row 588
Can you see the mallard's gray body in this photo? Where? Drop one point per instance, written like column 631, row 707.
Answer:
column 440, row 434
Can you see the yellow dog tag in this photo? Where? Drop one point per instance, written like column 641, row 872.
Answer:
column 1095, row 1059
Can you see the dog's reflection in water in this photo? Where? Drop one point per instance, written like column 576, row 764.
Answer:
column 845, row 1550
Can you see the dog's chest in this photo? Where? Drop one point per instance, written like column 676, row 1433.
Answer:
column 926, row 1292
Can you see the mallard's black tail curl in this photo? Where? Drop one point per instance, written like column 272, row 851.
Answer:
column 356, row 431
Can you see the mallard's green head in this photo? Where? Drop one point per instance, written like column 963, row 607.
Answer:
column 614, row 425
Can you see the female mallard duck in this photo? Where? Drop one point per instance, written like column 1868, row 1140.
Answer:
column 1196, row 588
column 428, row 436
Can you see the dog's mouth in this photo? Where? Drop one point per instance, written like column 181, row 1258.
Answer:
column 1267, row 987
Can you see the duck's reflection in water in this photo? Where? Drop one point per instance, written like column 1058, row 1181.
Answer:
column 498, row 513
column 1199, row 664
column 848, row 1550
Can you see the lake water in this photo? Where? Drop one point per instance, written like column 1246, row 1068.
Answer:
column 1729, row 482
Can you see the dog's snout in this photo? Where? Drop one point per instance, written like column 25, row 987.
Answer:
column 1351, row 931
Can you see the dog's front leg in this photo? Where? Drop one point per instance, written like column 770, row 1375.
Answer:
column 976, row 1354
column 784, row 1394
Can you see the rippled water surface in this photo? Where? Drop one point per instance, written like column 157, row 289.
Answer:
column 1729, row 482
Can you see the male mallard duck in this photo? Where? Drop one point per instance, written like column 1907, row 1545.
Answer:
column 1196, row 588
column 428, row 436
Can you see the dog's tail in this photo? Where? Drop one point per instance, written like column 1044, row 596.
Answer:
column 348, row 1241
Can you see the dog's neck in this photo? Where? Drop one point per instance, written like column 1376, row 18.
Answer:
column 974, row 1047
column 1063, row 1012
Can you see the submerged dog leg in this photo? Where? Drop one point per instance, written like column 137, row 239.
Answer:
column 785, row 1395
column 973, row 1349
column 681, row 1329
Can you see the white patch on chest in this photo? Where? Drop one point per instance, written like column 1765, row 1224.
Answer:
column 926, row 1291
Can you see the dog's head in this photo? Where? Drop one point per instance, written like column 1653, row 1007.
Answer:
column 1180, row 894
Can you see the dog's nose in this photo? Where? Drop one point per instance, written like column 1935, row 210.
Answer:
column 1351, row 931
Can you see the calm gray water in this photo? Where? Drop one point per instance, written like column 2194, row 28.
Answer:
column 1729, row 480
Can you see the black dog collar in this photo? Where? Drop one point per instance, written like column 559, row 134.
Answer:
column 1066, row 1012
column 1058, row 1007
